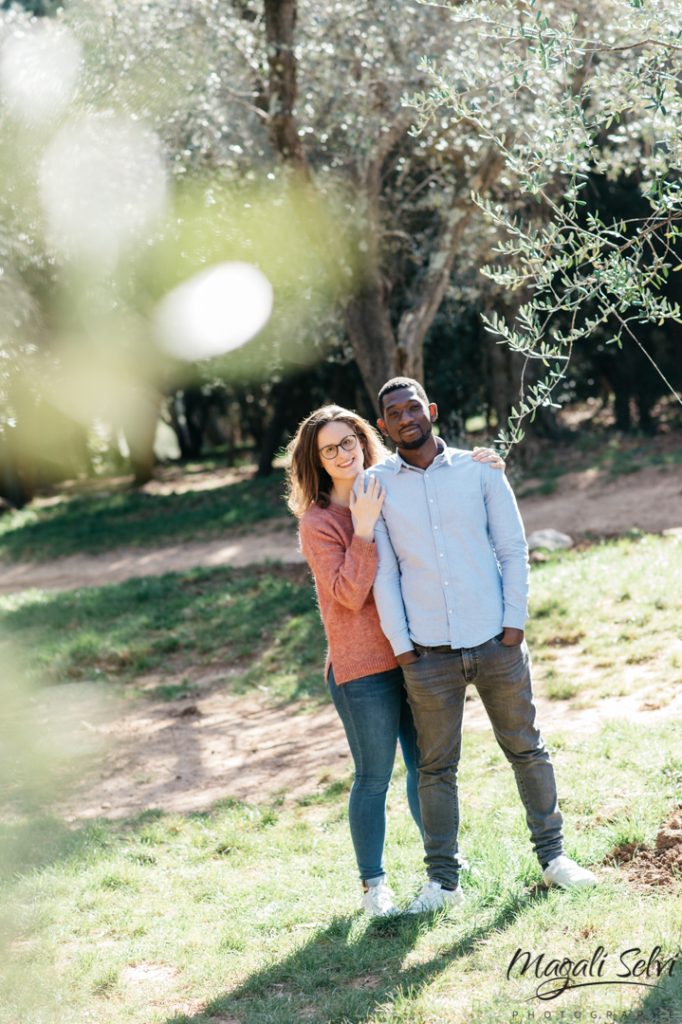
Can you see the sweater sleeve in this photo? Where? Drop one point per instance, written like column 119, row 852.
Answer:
column 346, row 572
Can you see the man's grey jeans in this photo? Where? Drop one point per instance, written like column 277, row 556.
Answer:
column 436, row 686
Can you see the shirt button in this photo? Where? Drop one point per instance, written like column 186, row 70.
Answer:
column 435, row 527
column 446, row 583
column 441, row 554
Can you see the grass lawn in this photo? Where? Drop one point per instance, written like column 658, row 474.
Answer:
column 603, row 621
column 247, row 913
column 606, row 621
column 257, row 625
column 88, row 524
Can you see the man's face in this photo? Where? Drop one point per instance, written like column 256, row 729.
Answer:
column 407, row 420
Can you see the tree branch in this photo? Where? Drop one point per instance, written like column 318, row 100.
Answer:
column 429, row 290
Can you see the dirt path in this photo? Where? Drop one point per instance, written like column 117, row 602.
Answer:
column 586, row 503
column 185, row 755
column 649, row 500
column 275, row 543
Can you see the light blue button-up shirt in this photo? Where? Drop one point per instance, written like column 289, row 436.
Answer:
column 453, row 558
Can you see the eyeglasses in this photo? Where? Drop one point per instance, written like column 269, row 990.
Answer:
column 348, row 443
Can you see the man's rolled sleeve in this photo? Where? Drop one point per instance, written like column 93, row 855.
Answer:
column 388, row 595
column 508, row 537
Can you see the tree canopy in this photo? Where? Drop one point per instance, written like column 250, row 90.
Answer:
column 370, row 161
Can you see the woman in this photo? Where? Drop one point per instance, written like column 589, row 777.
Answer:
column 336, row 529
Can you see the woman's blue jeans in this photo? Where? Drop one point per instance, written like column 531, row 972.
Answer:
column 375, row 715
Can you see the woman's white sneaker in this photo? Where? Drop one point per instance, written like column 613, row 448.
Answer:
column 434, row 897
column 379, row 901
column 566, row 873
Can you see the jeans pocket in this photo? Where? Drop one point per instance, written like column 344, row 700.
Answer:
column 425, row 673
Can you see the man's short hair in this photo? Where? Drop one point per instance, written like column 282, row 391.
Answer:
column 395, row 383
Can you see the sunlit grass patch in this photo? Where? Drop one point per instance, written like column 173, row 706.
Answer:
column 559, row 687
column 292, row 664
column 90, row 524
column 605, row 620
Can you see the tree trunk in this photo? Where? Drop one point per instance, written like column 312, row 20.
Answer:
column 371, row 337
column 275, row 428
column 13, row 487
column 196, row 417
column 429, row 289
column 178, row 421
column 139, row 429
column 280, row 25
column 502, row 380
column 426, row 297
column 380, row 351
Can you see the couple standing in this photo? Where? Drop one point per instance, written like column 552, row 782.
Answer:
column 421, row 572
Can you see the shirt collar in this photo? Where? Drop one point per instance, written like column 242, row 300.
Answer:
column 444, row 455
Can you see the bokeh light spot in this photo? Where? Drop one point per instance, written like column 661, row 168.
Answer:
column 214, row 311
column 39, row 69
column 102, row 184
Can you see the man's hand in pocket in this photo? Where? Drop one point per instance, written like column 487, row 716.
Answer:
column 408, row 658
column 512, row 637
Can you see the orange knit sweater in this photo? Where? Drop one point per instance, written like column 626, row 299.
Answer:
column 344, row 568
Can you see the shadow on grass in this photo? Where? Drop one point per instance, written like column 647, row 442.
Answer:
column 336, row 977
column 661, row 1005
column 40, row 840
column 33, row 844
column 262, row 619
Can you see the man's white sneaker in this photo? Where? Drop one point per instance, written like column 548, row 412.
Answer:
column 379, row 901
column 565, row 872
column 434, row 897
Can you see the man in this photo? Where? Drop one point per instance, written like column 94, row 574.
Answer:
column 452, row 592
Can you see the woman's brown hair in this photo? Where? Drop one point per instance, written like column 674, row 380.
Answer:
column 307, row 479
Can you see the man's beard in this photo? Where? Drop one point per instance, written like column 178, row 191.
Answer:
column 417, row 442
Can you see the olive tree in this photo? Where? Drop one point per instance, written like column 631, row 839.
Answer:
column 568, row 92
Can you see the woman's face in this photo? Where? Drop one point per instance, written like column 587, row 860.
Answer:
column 345, row 464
